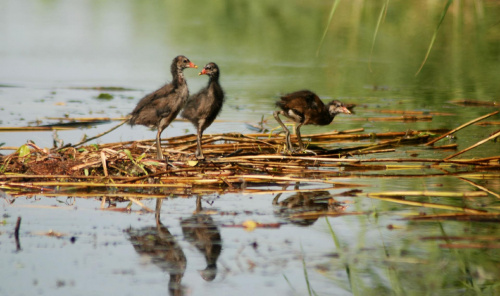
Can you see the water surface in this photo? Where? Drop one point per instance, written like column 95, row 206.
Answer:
column 55, row 54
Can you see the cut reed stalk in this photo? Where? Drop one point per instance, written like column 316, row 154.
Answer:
column 427, row 205
column 480, row 187
column 429, row 193
column 140, row 204
column 101, row 134
column 41, row 185
column 318, row 214
column 475, row 145
column 461, row 127
column 33, row 128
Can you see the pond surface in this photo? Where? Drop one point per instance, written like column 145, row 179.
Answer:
column 57, row 56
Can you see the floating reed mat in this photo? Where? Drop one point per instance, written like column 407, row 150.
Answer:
column 234, row 161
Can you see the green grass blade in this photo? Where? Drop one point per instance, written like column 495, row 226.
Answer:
column 306, row 276
column 288, row 281
column 337, row 245
column 332, row 12
column 445, row 10
column 381, row 17
column 332, row 233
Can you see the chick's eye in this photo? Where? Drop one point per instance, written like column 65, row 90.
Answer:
column 186, row 61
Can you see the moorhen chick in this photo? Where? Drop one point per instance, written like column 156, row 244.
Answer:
column 203, row 107
column 305, row 107
column 160, row 107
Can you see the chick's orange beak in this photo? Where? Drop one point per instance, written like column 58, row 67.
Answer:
column 345, row 110
column 203, row 72
column 191, row 65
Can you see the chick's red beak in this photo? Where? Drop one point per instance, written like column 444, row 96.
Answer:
column 191, row 65
column 203, row 72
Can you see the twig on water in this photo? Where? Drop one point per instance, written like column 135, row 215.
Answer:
column 475, row 145
column 104, row 167
column 426, row 204
column 428, row 193
column 140, row 204
column 480, row 187
column 16, row 233
column 461, row 127
column 101, row 134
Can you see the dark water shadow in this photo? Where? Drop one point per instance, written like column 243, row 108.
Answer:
column 201, row 231
column 304, row 208
column 157, row 243
column 160, row 245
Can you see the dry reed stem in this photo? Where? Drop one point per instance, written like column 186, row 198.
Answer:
column 40, row 185
column 488, row 123
column 463, row 237
column 319, row 214
column 480, row 187
column 108, row 163
column 475, row 145
column 403, row 118
column 406, row 112
column 260, row 191
column 103, row 161
column 33, row 128
column 103, row 202
column 457, row 216
column 427, row 205
column 470, row 246
column 461, row 127
column 283, row 157
column 429, row 193
column 101, row 134
column 140, row 204
column 85, row 119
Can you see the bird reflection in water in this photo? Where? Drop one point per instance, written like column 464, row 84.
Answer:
column 201, row 231
column 160, row 245
column 293, row 208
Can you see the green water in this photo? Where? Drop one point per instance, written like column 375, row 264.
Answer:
column 52, row 51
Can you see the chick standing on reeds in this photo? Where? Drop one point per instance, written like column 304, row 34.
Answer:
column 160, row 107
column 203, row 107
column 305, row 107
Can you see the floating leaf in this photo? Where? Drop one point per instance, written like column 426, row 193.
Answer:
column 249, row 225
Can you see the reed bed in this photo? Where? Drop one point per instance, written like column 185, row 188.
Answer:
column 233, row 160
column 253, row 164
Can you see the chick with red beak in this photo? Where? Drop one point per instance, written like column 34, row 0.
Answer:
column 203, row 107
column 160, row 107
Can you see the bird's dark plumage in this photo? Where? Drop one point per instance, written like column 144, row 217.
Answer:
column 305, row 107
column 203, row 107
column 160, row 107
